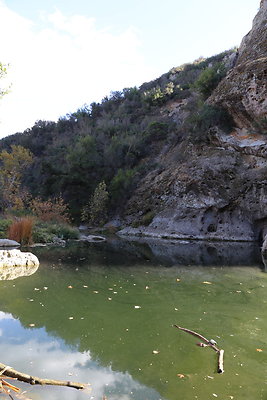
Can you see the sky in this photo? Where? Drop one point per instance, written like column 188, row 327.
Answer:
column 63, row 54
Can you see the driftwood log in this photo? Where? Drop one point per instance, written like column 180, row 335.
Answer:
column 9, row 372
column 220, row 352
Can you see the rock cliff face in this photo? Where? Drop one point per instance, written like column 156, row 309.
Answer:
column 244, row 91
column 218, row 190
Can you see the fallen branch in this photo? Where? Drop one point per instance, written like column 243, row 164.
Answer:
column 199, row 336
column 220, row 352
column 34, row 380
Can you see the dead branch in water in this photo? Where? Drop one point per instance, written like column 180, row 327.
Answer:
column 220, row 362
column 220, row 352
column 34, row 380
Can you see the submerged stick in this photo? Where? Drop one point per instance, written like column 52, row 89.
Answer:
column 34, row 380
column 220, row 362
column 220, row 352
column 198, row 336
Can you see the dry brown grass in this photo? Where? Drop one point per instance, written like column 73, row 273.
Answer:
column 21, row 230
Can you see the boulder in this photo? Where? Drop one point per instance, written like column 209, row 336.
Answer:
column 14, row 263
column 8, row 243
column 92, row 238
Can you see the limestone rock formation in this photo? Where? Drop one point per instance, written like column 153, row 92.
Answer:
column 244, row 91
column 218, row 189
column 14, row 263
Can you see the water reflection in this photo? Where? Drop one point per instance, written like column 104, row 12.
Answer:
column 36, row 353
column 100, row 310
column 120, row 251
column 194, row 252
column 8, row 272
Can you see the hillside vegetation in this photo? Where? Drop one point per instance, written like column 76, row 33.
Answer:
column 95, row 157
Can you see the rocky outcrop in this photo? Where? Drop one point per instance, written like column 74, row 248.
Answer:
column 244, row 91
column 14, row 263
column 218, row 193
column 217, row 189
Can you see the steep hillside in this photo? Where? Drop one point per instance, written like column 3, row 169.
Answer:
column 216, row 190
column 118, row 140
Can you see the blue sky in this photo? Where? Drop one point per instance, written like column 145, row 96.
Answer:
column 63, row 54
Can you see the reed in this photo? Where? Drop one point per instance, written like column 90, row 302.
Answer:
column 21, row 230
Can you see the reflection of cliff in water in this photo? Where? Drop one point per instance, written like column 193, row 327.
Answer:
column 121, row 252
column 203, row 253
column 8, row 273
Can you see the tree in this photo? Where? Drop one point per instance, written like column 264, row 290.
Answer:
column 13, row 164
column 96, row 211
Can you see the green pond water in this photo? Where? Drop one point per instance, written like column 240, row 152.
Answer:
column 103, row 314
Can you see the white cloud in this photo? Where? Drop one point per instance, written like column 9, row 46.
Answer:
column 63, row 65
column 50, row 360
column 4, row 315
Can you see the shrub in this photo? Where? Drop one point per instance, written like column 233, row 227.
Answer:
column 206, row 118
column 64, row 231
column 147, row 218
column 209, row 79
column 4, row 225
column 21, row 230
column 121, row 184
column 50, row 210
column 155, row 96
column 46, row 232
column 157, row 130
column 41, row 235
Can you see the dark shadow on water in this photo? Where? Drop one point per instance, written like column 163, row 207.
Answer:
column 117, row 251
